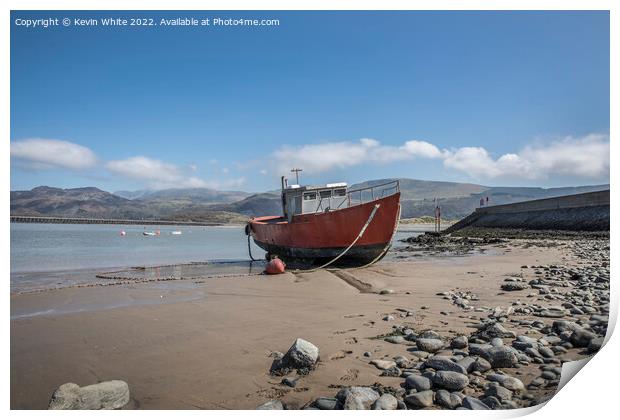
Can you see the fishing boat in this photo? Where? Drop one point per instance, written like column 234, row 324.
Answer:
column 176, row 232
column 145, row 233
column 329, row 222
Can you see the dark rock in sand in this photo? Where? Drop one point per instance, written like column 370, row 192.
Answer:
column 474, row 404
column 500, row 357
column 444, row 363
column 581, row 337
column 447, row 399
column 324, row 403
column 420, row 399
column 452, row 381
column 417, row 382
column 430, row 345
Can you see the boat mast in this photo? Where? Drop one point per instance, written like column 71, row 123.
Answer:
column 297, row 171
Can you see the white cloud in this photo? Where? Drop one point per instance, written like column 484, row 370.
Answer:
column 48, row 154
column 586, row 157
column 340, row 155
column 159, row 175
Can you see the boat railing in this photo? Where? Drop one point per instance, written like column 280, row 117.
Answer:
column 370, row 193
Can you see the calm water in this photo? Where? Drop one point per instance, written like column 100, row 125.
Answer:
column 50, row 255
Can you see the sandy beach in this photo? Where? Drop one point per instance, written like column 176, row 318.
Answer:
column 210, row 343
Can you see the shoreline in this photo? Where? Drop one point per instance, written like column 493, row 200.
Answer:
column 183, row 350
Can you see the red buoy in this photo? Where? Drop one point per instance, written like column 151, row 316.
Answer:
column 275, row 266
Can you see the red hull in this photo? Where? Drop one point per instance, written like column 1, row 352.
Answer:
column 324, row 235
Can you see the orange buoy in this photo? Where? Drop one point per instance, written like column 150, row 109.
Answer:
column 275, row 266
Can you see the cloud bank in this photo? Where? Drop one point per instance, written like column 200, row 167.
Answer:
column 48, row 154
column 586, row 157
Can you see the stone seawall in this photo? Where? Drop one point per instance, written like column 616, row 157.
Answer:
column 579, row 212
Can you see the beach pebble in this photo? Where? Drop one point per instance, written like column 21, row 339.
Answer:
column 472, row 403
column 383, row 364
column 446, row 399
column 292, row 382
column 324, row 403
column 508, row 382
column 459, row 342
column 388, row 318
column 395, row 339
column 595, row 344
column 500, row 357
column 420, row 399
column 493, row 389
column 430, row 345
column 581, row 337
column 452, row 381
column 107, row 395
column 418, row 383
column 271, row 405
column 385, row 402
column 357, row 397
column 444, row 363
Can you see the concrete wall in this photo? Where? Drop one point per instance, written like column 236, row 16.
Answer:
column 579, row 212
column 592, row 199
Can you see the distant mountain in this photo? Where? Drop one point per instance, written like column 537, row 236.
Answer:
column 94, row 203
column 202, row 204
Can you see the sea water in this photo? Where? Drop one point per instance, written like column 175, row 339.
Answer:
column 57, row 255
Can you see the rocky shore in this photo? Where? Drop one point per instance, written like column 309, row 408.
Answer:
column 513, row 357
column 458, row 323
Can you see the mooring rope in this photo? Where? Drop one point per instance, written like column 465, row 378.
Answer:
column 359, row 235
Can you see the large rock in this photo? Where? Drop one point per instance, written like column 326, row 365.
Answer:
column 108, row 395
column 563, row 325
column 500, row 357
column 444, row 363
column 385, row 402
column 302, row 355
column 420, row 399
column 357, row 397
column 595, row 344
column 430, row 345
column 459, row 342
column 452, row 381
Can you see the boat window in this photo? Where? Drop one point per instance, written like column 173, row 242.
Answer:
column 326, row 193
column 309, row 196
column 341, row 192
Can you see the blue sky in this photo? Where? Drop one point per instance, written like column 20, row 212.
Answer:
column 496, row 98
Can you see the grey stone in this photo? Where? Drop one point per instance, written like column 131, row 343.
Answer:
column 420, row 399
column 385, row 402
column 581, row 337
column 417, row 382
column 495, row 390
column 444, row 363
column 595, row 344
column 271, row 405
column 452, row 381
column 357, row 397
column 500, row 357
column 459, row 342
column 467, row 362
column 474, row 404
column 302, row 354
column 480, row 365
column 102, row 396
column 446, row 399
column 324, row 403
column 292, row 382
column 492, row 402
column 383, row 364
column 430, row 345
column 508, row 382
column 395, row 339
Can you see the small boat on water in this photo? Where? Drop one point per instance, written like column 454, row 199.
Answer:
column 176, row 232
column 324, row 222
column 150, row 233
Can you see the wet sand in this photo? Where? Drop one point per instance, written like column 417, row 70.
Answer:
column 206, row 344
